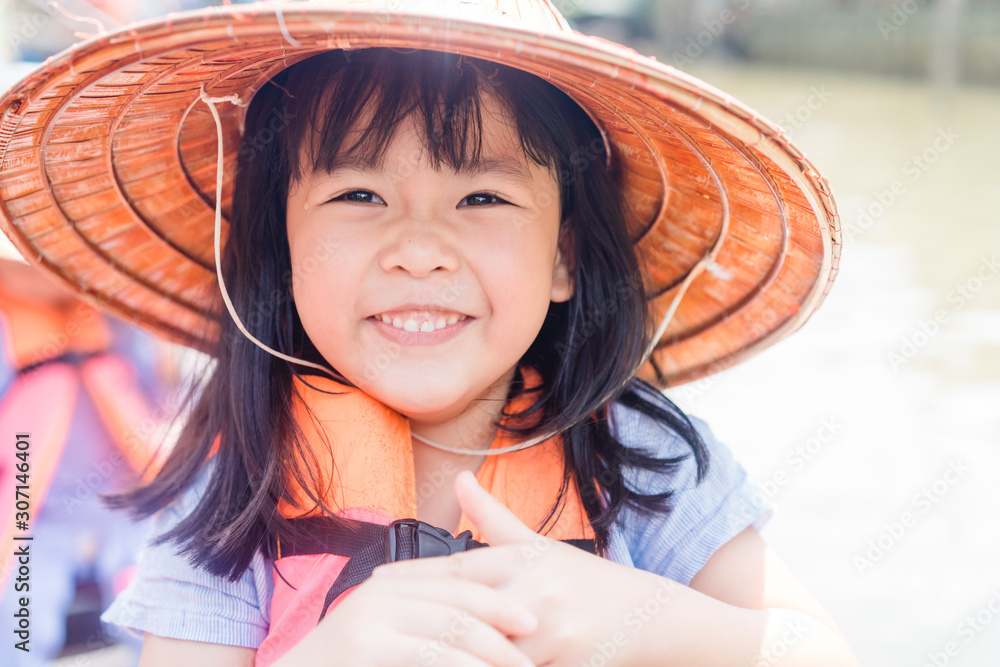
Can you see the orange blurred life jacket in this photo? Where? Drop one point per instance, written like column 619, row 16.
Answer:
column 57, row 351
column 370, row 481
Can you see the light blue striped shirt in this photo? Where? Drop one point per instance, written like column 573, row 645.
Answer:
column 171, row 598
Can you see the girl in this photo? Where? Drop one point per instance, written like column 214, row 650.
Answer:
column 436, row 316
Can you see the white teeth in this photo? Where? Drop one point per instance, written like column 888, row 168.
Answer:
column 423, row 326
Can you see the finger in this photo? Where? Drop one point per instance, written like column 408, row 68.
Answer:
column 493, row 566
column 497, row 524
column 443, row 629
column 409, row 653
column 410, row 657
column 499, row 609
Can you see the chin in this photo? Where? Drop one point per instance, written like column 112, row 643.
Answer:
column 417, row 399
column 424, row 407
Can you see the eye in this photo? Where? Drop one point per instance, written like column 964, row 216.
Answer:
column 360, row 197
column 483, row 199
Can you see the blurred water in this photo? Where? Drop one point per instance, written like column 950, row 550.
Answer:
column 903, row 359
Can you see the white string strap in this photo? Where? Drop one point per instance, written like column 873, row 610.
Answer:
column 83, row 19
column 211, row 102
column 234, row 99
column 706, row 262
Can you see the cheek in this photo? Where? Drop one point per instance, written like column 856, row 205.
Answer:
column 518, row 282
column 321, row 276
column 526, row 252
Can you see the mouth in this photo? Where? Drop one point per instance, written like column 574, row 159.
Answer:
column 419, row 321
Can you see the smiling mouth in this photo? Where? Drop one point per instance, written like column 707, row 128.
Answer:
column 424, row 321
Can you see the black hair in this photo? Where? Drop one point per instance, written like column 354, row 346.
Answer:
column 587, row 351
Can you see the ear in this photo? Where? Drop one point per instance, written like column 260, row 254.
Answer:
column 565, row 264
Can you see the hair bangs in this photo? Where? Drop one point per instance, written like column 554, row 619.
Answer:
column 354, row 103
column 348, row 105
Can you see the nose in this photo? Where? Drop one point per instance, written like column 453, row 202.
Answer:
column 419, row 247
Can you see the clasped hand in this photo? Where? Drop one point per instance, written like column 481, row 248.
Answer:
column 581, row 601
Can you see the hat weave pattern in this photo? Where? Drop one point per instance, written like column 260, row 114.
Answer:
column 108, row 165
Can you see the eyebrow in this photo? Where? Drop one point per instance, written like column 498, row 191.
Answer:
column 506, row 166
column 498, row 165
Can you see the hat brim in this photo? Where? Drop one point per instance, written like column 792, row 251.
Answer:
column 108, row 169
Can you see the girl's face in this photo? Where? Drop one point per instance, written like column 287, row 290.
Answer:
column 424, row 286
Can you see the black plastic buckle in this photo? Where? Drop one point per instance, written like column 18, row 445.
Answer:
column 427, row 540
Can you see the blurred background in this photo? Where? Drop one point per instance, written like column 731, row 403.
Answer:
column 875, row 429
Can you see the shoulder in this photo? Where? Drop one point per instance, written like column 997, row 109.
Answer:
column 684, row 438
column 172, row 597
column 707, row 510
column 184, row 502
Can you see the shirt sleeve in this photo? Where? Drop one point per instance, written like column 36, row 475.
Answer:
column 704, row 516
column 171, row 597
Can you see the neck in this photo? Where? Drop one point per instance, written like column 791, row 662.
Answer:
column 474, row 428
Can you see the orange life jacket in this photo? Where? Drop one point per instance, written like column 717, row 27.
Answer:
column 56, row 351
column 373, row 484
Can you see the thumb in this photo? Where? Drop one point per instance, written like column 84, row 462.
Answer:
column 497, row 524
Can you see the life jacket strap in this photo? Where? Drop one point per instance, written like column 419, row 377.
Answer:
column 72, row 358
column 369, row 545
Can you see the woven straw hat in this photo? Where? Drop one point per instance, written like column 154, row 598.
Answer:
column 108, row 171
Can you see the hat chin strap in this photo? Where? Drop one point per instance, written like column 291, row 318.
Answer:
column 707, row 261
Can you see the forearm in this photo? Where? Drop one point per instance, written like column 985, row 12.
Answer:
column 680, row 626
